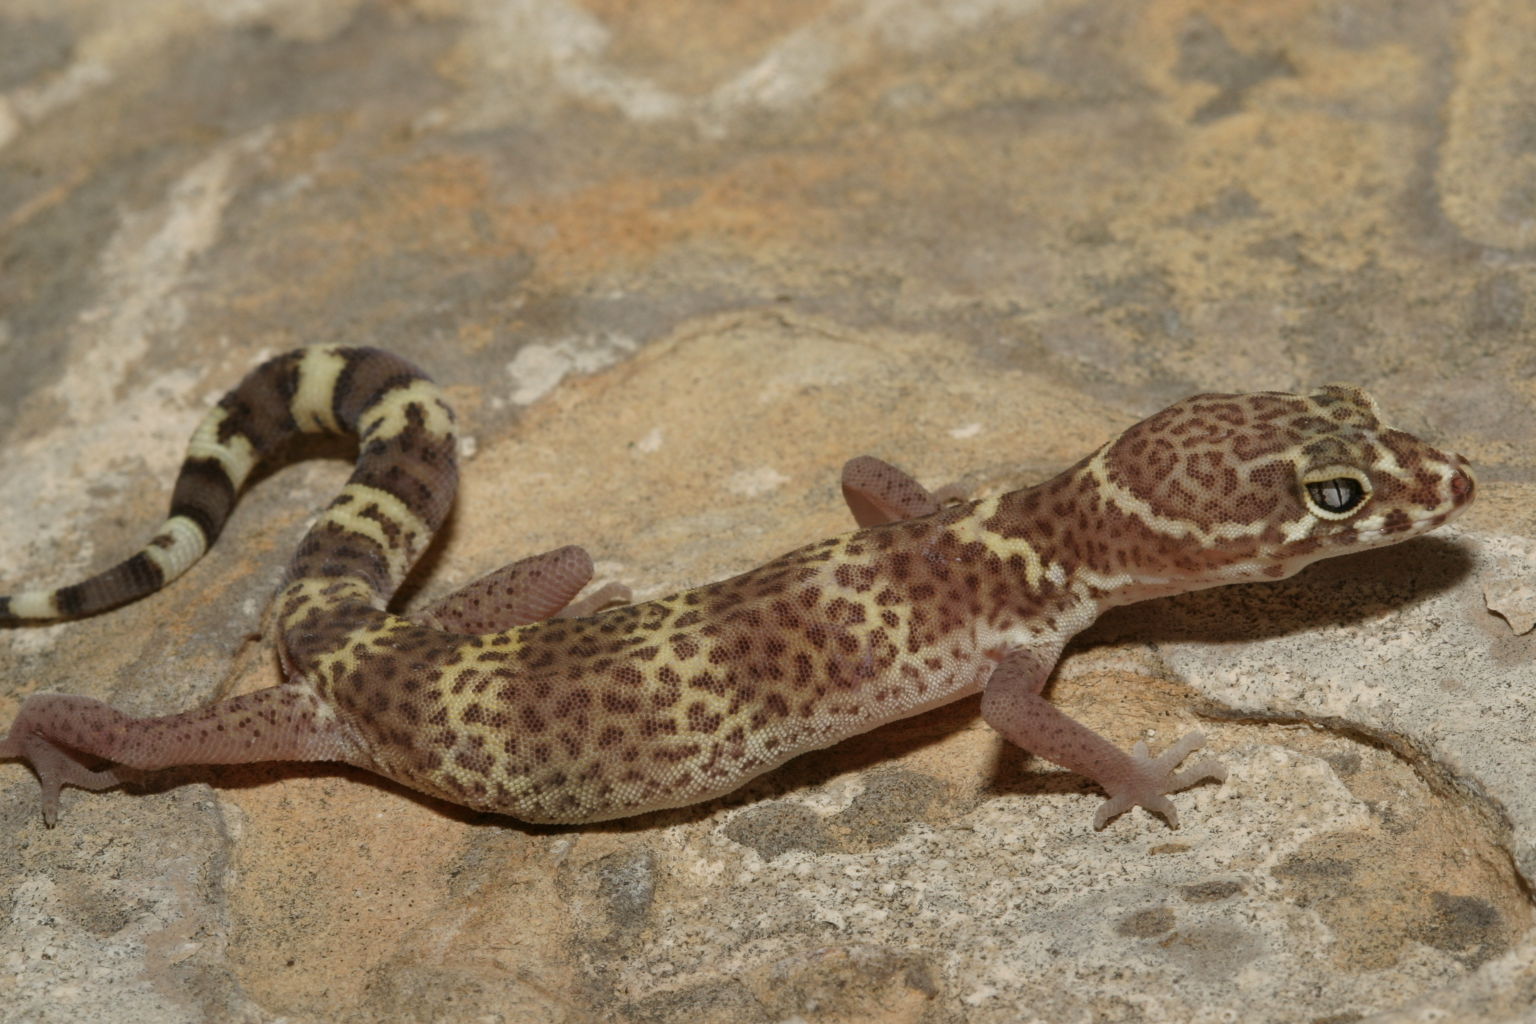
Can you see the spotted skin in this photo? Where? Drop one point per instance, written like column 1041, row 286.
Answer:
column 489, row 701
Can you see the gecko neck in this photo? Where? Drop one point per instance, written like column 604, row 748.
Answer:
column 1072, row 554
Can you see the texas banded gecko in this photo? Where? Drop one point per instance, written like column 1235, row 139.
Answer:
column 489, row 700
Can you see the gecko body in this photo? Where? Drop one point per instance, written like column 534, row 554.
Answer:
column 487, row 699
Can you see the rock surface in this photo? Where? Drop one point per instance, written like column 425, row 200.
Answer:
column 675, row 263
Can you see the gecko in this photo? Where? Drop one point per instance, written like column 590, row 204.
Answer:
column 491, row 698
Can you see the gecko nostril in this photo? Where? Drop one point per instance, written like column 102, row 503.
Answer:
column 1461, row 484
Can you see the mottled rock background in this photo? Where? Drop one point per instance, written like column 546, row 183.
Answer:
column 676, row 262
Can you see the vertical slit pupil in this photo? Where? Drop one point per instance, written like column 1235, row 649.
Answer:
column 1337, row 495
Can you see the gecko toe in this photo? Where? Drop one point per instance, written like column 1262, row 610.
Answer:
column 1151, row 779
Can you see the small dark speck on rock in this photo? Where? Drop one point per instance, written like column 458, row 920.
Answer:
column 1210, row 892
column 1146, row 924
column 628, row 884
column 775, row 829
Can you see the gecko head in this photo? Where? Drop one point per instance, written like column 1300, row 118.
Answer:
column 1226, row 488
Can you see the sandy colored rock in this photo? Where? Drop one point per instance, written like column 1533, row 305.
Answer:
column 1509, row 587
column 674, row 264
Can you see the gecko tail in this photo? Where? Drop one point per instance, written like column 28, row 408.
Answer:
column 209, row 479
column 175, row 546
column 320, row 390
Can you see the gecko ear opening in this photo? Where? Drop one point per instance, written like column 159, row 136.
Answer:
column 1336, row 492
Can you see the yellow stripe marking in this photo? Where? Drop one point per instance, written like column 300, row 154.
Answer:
column 385, row 418
column 349, row 517
column 187, row 546
column 311, row 405
column 1168, row 526
column 35, row 604
column 390, row 505
column 237, row 456
column 1004, row 547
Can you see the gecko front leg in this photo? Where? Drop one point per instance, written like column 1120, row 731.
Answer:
column 878, row 493
column 1011, row 703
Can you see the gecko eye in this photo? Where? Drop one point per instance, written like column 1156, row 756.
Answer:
column 1335, row 497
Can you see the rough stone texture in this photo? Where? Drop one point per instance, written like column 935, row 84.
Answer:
column 675, row 263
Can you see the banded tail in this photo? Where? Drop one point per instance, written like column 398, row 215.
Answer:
column 397, row 497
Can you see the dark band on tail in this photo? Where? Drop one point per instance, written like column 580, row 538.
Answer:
column 204, row 494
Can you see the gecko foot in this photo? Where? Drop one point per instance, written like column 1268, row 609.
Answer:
column 610, row 593
column 55, row 766
column 1153, row 777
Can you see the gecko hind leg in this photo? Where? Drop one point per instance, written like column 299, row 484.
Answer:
column 63, row 737
column 528, row 590
column 57, row 766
